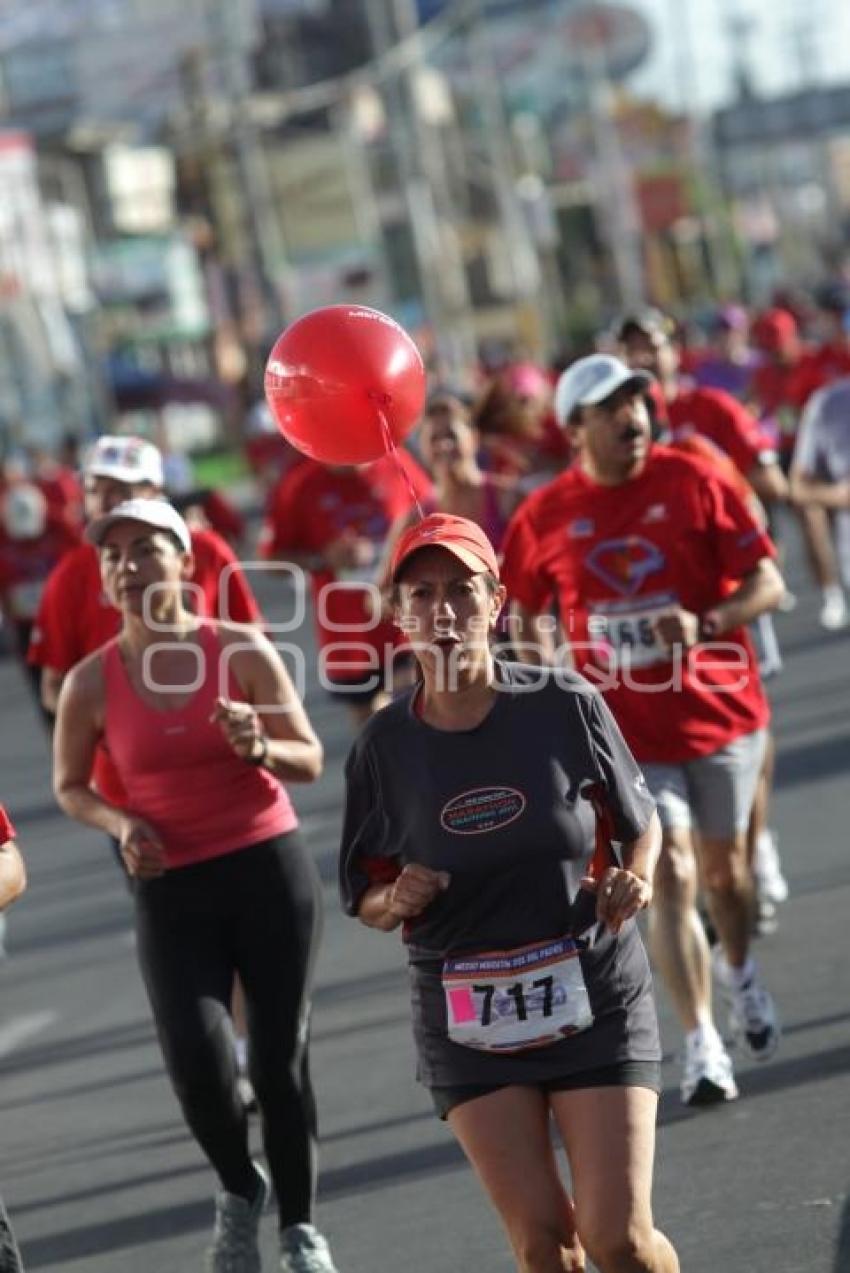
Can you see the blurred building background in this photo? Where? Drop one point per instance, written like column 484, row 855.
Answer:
column 498, row 174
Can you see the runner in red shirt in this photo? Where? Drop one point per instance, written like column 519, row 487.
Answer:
column 332, row 522
column 75, row 617
column 31, row 544
column 657, row 567
column 648, row 343
column 829, row 359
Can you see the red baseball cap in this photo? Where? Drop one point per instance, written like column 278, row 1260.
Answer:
column 774, row 330
column 458, row 535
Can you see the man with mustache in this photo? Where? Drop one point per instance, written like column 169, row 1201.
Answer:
column 657, row 567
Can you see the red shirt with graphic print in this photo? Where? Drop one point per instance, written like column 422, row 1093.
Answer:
column 615, row 558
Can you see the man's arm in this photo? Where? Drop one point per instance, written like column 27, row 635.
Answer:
column 807, row 489
column 769, row 482
column 760, row 590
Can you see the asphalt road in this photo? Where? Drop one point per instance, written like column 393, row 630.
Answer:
column 100, row 1176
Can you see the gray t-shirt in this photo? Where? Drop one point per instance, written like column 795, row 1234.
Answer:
column 822, row 451
column 501, row 808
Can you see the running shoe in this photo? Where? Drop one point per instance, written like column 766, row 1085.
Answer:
column 708, row 1078
column 304, row 1250
column 771, row 884
column 833, row 614
column 753, row 1020
column 235, row 1244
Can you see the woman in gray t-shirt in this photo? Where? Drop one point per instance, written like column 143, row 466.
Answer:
column 480, row 813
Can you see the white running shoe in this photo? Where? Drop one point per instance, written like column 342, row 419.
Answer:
column 235, row 1243
column 753, row 1020
column 833, row 614
column 303, row 1249
column 707, row 1078
column 771, row 884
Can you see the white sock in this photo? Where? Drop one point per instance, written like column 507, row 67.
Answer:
column 240, row 1047
column 832, row 592
column 739, row 978
column 705, row 1034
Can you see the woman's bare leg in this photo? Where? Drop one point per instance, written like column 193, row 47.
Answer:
column 506, row 1137
column 609, row 1136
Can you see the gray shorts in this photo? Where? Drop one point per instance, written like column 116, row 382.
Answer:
column 714, row 794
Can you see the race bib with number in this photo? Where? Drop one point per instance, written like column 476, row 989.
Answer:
column 628, row 635
column 508, row 1001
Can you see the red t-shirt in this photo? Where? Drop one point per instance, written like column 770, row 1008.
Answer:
column 75, row 618
column 63, row 491
column 614, row 557
column 310, row 508
column 7, row 831
column 25, row 565
column 725, row 422
column 773, row 390
column 223, row 517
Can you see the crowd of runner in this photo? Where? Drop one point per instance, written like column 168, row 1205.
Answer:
column 555, row 684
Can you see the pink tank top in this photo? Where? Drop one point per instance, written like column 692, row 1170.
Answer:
column 180, row 774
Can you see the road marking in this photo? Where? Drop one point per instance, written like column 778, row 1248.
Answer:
column 20, row 1029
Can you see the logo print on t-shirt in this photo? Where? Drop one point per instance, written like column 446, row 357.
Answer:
column 625, row 564
column 482, row 809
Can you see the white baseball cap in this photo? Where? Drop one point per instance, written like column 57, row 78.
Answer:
column 125, row 459
column 591, row 380
column 149, row 512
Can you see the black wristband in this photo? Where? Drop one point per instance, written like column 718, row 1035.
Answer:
column 260, row 757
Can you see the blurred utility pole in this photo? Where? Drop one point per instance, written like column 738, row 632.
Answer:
column 716, row 232
column 613, row 179
column 521, row 247
column 420, row 165
column 233, row 27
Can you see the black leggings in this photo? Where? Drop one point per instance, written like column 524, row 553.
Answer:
column 257, row 912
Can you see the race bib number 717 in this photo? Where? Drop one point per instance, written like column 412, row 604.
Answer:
column 509, row 1001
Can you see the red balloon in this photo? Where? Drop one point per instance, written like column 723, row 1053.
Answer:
column 344, row 383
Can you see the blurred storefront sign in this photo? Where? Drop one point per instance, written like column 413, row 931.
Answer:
column 140, row 182
column 157, row 282
column 613, row 37
column 663, row 198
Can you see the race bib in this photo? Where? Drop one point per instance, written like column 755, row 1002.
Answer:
column 510, row 1001
column 628, row 636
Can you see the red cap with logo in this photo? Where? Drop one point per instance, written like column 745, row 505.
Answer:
column 458, row 535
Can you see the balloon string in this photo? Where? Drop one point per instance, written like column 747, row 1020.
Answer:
column 392, row 449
